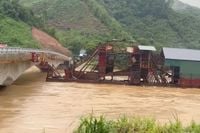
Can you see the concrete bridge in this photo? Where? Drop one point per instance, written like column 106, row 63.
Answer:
column 14, row 61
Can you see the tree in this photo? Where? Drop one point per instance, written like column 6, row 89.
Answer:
column 12, row 8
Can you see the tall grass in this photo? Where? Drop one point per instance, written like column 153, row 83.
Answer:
column 100, row 124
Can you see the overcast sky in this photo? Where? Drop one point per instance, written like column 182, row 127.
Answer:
column 192, row 2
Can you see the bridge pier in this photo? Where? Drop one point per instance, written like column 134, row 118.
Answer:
column 14, row 61
column 10, row 72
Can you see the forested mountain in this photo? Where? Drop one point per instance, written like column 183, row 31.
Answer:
column 78, row 23
column 85, row 23
column 155, row 22
column 185, row 9
column 15, row 24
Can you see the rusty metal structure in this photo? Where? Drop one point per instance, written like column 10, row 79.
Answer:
column 134, row 65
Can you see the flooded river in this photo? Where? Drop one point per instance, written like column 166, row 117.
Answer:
column 31, row 105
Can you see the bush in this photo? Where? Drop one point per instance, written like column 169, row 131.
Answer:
column 100, row 124
column 13, row 9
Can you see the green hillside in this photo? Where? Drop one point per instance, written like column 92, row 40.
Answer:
column 78, row 23
column 16, row 33
column 185, row 9
column 84, row 23
column 155, row 22
column 15, row 25
column 66, row 14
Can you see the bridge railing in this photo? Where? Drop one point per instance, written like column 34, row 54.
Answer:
column 16, row 50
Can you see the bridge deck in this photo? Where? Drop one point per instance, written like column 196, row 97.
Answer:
column 14, row 51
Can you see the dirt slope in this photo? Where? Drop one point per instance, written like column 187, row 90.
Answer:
column 48, row 42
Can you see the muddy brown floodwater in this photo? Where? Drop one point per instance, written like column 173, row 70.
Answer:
column 31, row 105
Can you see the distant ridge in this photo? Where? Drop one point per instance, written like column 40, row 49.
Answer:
column 156, row 22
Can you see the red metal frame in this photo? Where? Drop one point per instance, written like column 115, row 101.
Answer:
column 139, row 72
column 34, row 57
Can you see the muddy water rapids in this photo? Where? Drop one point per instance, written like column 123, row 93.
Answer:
column 32, row 105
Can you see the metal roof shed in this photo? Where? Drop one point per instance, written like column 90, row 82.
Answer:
column 145, row 53
column 181, row 54
column 187, row 61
